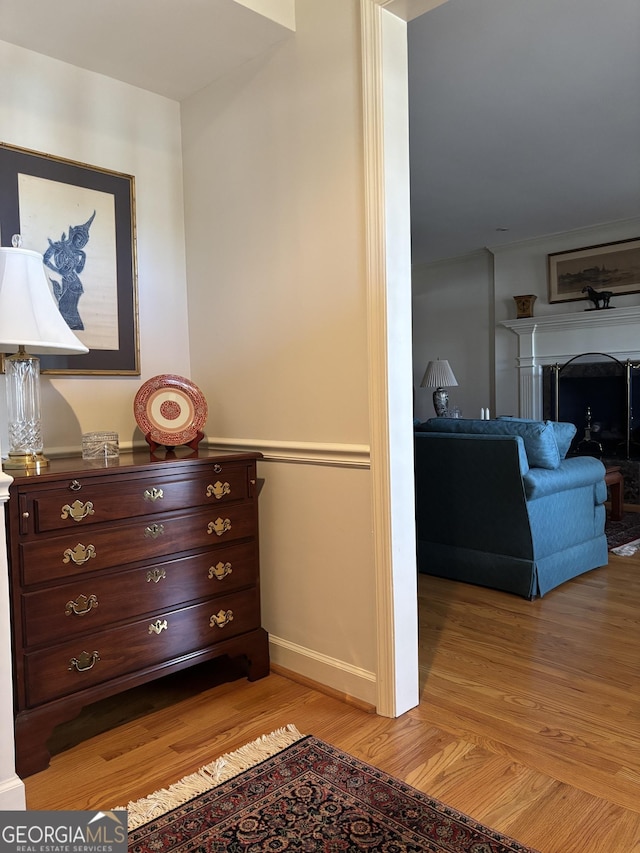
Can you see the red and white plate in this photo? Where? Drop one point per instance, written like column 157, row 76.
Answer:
column 170, row 409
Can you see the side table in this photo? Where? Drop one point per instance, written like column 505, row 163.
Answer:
column 615, row 482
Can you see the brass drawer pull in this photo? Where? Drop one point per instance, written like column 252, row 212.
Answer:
column 158, row 626
column 153, row 494
column 219, row 526
column 80, row 554
column 81, row 606
column 84, row 662
column 154, row 530
column 78, row 510
column 156, row 575
column 218, row 490
column 221, row 618
column 75, row 486
column 220, row 571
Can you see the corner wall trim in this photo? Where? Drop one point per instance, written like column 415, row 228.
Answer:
column 388, row 283
column 12, row 791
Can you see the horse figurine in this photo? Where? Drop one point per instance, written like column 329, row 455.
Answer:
column 598, row 296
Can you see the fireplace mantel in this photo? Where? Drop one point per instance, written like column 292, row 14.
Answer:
column 556, row 338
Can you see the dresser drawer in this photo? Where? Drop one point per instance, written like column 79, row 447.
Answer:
column 79, row 664
column 86, row 604
column 123, row 573
column 83, row 500
column 100, row 547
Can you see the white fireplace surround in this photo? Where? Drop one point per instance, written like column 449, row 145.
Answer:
column 554, row 339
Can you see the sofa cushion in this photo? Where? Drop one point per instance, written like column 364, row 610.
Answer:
column 538, row 436
column 564, row 432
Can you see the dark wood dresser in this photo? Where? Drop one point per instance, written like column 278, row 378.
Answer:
column 122, row 574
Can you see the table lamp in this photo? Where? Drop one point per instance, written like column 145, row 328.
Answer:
column 29, row 320
column 439, row 375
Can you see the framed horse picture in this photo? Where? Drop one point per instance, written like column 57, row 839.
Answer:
column 595, row 273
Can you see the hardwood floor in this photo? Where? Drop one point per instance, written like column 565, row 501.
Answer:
column 529, row 718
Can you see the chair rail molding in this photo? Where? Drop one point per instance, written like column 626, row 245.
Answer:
column 300, row 452
column 556, row 338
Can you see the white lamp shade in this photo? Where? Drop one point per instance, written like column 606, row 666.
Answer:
column 438, row 375
column 29, row 315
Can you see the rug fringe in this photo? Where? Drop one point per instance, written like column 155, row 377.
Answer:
column 628, row 549
column 210, row 776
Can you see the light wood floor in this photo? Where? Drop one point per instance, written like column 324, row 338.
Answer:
column 529, row 718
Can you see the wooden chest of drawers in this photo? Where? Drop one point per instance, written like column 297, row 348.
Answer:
column 120, row 575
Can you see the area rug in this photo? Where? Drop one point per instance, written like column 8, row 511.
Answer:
column 623, row 537
column 306, row 796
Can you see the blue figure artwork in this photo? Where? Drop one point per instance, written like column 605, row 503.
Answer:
column 67, row 258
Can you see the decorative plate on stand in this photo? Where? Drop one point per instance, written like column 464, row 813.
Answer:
column 171, row 411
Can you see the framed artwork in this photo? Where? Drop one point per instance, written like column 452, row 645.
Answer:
column 613, row 268
column 82, row 219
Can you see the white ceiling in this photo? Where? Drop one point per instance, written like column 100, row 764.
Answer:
column 524, row 114
column 171, row 47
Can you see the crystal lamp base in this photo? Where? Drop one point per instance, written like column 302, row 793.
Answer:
column 23, row 410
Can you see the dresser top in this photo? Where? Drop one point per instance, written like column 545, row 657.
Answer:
column 141, row 462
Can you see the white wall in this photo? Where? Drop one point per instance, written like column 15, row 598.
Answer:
column 275, row 238
column 278, row 326
column 521, row 268
column 49, row 106
column 453, row 319
column 282, row 11
column 459, row 305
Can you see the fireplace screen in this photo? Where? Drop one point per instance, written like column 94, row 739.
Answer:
column 598, row 394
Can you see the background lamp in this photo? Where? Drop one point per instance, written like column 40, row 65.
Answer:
column 29, row 320
column 439, row 375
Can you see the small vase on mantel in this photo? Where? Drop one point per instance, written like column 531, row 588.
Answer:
column 524, row 305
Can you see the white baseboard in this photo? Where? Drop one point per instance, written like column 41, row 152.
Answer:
column 340, row 676
column 12, row 796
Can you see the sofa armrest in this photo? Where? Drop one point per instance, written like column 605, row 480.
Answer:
column 572, row 474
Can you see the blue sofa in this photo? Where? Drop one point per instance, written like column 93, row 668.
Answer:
column 498, row 504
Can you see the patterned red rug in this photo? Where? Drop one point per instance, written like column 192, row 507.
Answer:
column 624, row 532
column 307, row 797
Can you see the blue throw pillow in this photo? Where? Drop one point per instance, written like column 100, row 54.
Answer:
column 564, row 432
column 538, row 436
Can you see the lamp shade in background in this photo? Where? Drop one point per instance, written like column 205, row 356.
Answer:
column 439, row 375
column 29, row 319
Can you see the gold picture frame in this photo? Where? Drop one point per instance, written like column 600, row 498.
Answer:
column 82, row 219
column 610, row 267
